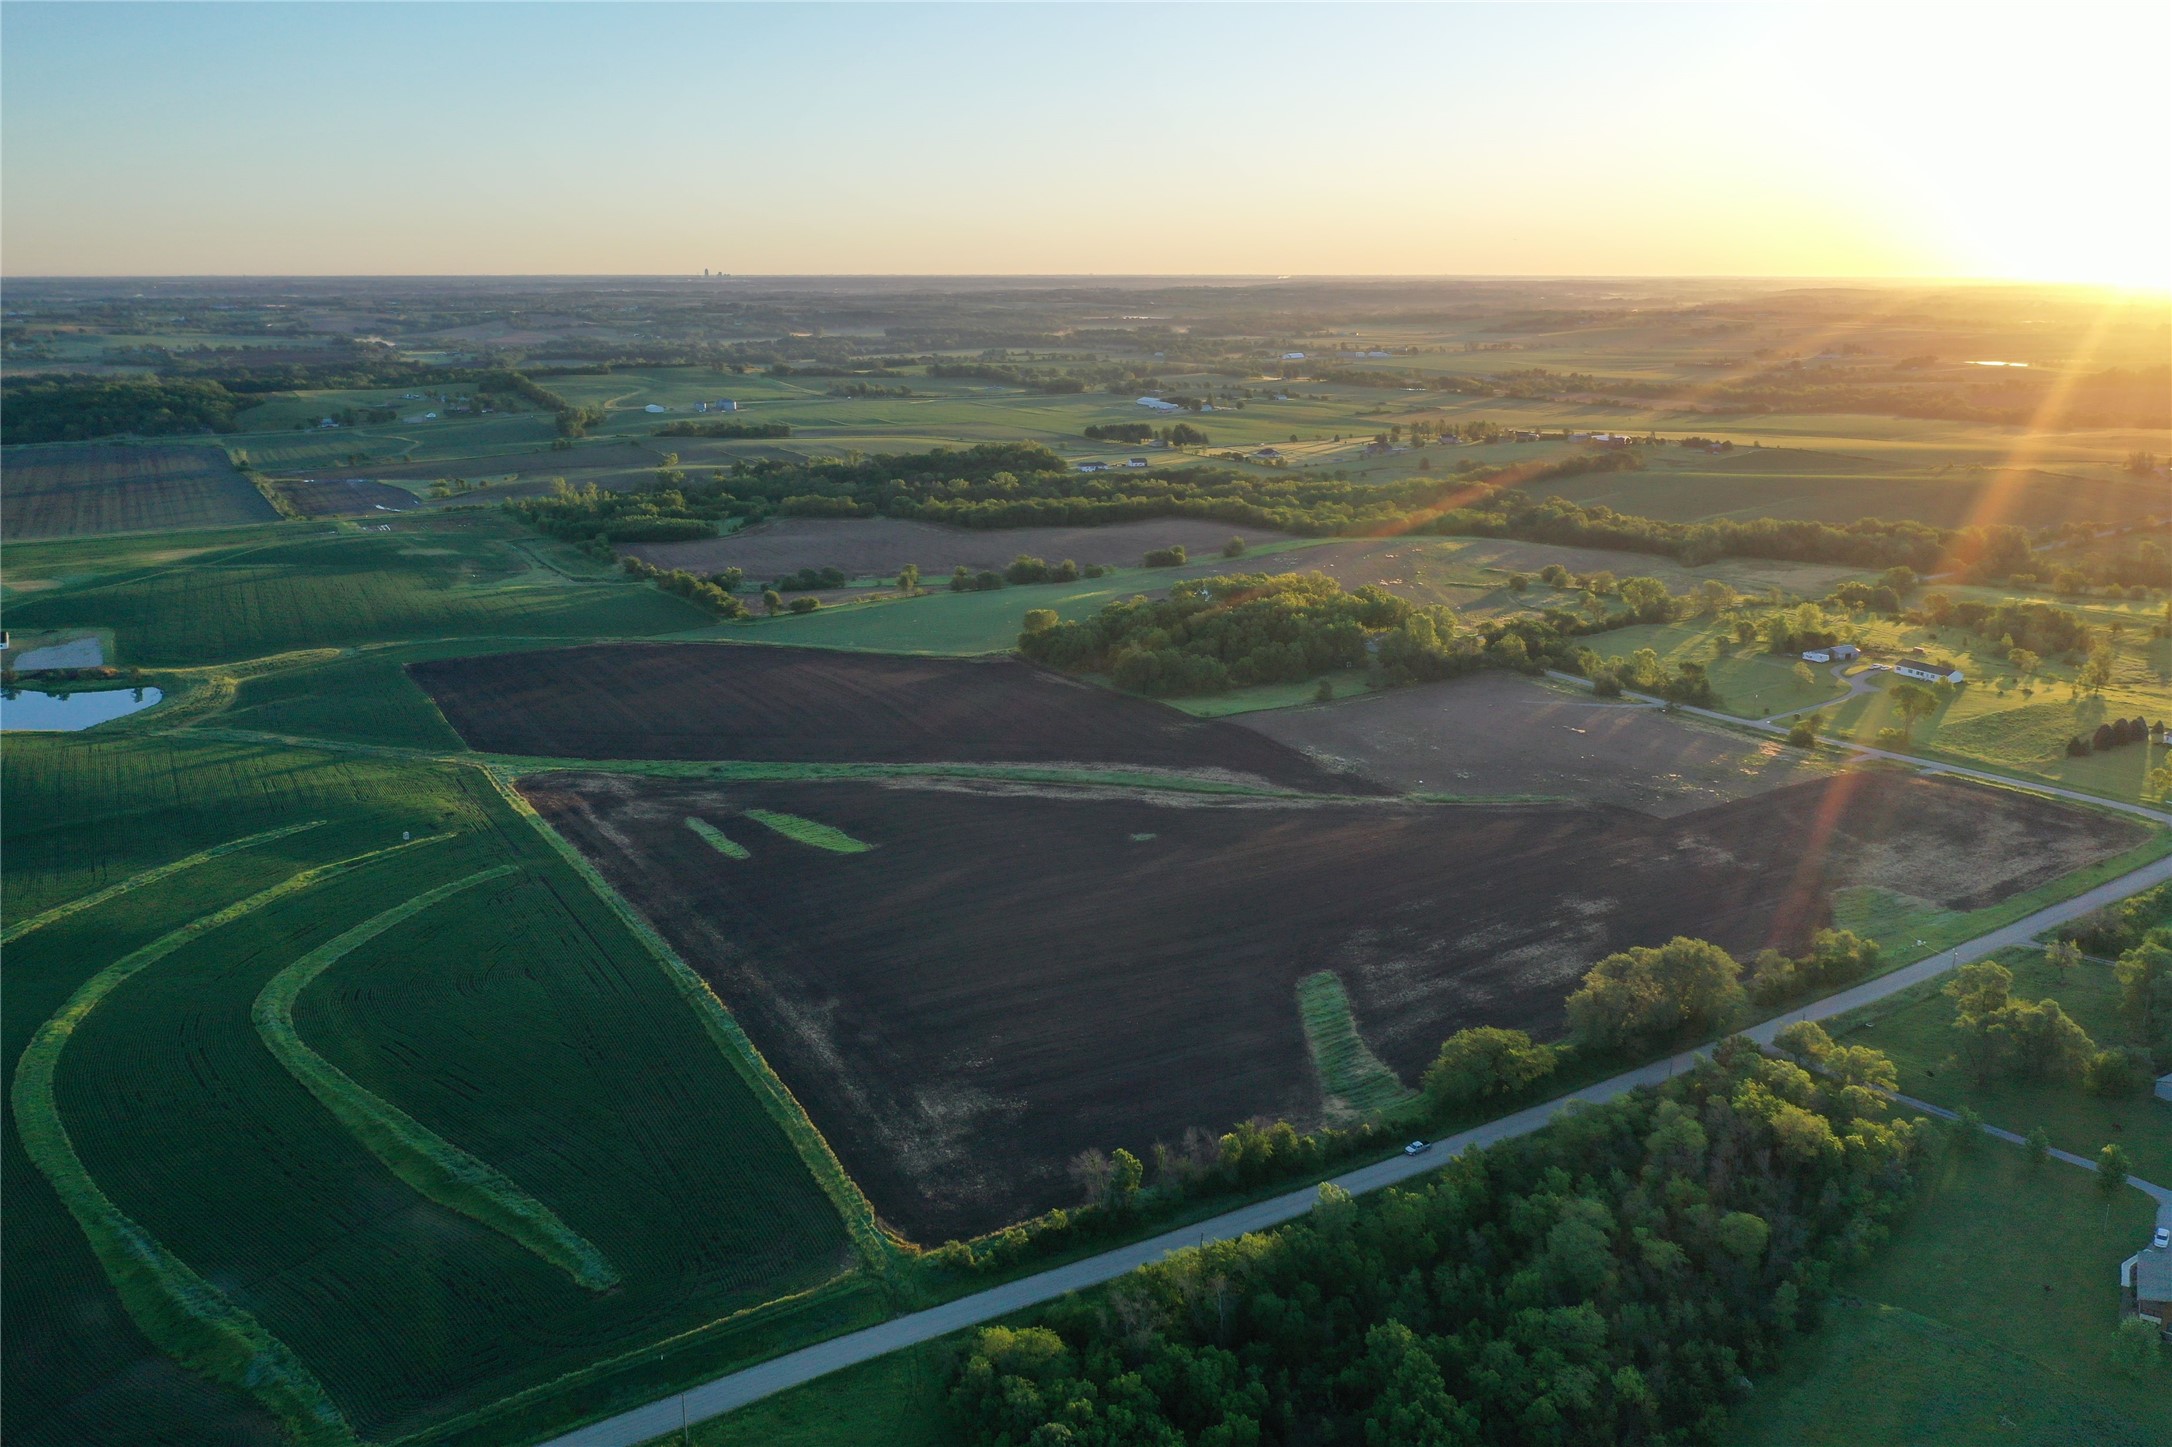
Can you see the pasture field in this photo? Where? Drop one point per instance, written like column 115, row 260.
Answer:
column 428, row 580
column 1501, row 735
column 1916, row 1030
column 515, row 1019
column 710, row 701
column 78, row 489
column 1987, row 1318
column 1013, row 973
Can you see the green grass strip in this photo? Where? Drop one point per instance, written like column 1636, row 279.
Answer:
column 434, row 1166
column 807, row 831
column 149, row 876
column 182, row 1314
column 717, row 839
column 1349, row 1071
column 851, row 1203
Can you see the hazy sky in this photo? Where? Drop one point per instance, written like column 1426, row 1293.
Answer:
column 1520, row 139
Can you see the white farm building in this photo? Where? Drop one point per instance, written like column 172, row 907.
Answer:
column 1155, row 404
column 1928, row 672
column 653, row 407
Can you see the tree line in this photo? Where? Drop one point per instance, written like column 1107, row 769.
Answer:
column 1618, row 1277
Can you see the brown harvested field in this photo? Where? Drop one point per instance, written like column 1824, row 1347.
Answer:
column 818, row 705
column 1012, row 974
column 1500, row 734
column 878, row 547
column 344, row 496
column 74, row 489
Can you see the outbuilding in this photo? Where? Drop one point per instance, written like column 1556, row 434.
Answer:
column 653, row 407
column 1155, row 404
column 1841, row 652
column 2145, row 1281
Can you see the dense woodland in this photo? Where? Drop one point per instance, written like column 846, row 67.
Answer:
column 1617, row 1278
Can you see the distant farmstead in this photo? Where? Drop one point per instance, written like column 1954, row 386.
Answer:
column 1838, row 653
column 1928, row 672
column 1155, row 404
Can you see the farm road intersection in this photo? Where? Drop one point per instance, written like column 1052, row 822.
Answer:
column 737, row 1389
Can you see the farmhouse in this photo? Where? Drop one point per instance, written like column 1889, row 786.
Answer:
column 722, row 404
column 1093, row 467
column 1137, row 462
column 1927, row 671
column 1268, row 454
column 1155, row 404
column 1293, row 356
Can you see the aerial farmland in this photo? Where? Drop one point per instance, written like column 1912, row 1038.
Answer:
column 563, row 903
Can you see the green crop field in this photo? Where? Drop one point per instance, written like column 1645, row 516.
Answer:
column 78, row 489
column 1988, row 1318
column 449, row 577
column 512, row 1022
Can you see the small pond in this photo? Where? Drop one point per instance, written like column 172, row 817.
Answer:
column 25, row 709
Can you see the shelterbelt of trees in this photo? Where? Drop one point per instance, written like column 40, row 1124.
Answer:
column 215, row 396
column 1211, row 634
column 1616, row 1278
column 1023, row 484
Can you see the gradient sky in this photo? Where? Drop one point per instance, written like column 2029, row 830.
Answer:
column 1113, row 138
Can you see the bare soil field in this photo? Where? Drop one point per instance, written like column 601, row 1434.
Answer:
column 345, row 496
column 1010, row 974
column 878, row 547
column 1498, row 734
column 758, row 702
column 66, row 490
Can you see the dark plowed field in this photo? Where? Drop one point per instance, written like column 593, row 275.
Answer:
column 814, row 705
column 342, row 496
column 1012, row 975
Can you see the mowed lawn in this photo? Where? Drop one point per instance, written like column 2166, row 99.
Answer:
column 1751, row 682
column 518, row 1020
column 2003, row 720
column 1916, row 1029
column 309, row 588
column 1988, row 1317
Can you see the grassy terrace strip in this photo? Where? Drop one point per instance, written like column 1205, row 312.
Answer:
column 412, row 1151
column 148, row 877
column 1349, row 1071
column 876, row 1247
column 807, row 831
column 182, row 1314
column 717, row 839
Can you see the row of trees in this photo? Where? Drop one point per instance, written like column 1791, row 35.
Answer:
column 1615, row 1278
